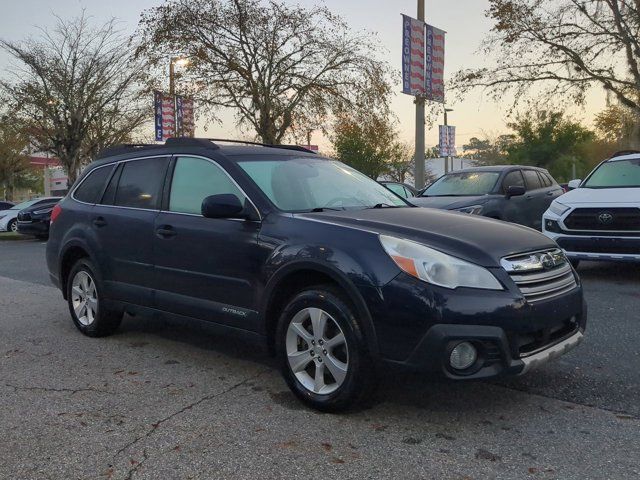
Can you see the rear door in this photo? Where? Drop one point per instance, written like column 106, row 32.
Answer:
column 536, row 197
column 206, row 268
column 123, row 222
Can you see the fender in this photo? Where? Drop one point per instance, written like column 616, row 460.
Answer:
column 336, row 275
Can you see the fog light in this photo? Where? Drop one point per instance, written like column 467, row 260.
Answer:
column 463, row 356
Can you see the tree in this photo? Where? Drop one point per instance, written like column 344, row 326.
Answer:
column 618, row 125
column 400, row 161
column 77, row 89
column 488, row 150
column 282, row 68
column 567, row 46
column 14, row 162
column 549, row 140
column 364, row 142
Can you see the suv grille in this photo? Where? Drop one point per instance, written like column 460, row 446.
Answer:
column 622, row 219
column 541, row 275
column 531, row 342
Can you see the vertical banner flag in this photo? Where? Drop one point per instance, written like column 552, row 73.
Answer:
column 413, row 53
column 188, row 120
column 179, row 116
column 448, row 141
column 434, row 53
column 157, row 110
column 168, row 116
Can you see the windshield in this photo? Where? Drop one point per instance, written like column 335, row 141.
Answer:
column 463, row 183
column 26, row 204
column 306, row 184
column 615, row 174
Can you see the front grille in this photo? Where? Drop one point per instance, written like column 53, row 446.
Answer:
column 24, row 217
column 541, row 275
column 531, row 342
column 600, row 219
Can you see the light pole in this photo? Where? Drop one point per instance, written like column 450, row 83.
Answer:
column 419, row 153
column 446, row 159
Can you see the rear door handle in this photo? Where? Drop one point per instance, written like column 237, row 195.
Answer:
column 99, row 222
column 165, row 231
column 551, row 193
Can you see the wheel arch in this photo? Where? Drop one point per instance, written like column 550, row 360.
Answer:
column 293, row 278
column 71, row 253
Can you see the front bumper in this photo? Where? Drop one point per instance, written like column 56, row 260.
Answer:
column 34, row 227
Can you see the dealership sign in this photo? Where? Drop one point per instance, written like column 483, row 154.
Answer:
column 448, row 141
column 422, row 59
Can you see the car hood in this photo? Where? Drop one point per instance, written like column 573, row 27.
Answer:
column 477, row 239
column 601, row 195
column 448, row 203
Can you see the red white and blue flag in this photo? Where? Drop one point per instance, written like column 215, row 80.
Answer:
column 422, row 59
column 165, row 116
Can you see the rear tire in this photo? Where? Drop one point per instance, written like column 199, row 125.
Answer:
column 86, row 302
column 322, row 351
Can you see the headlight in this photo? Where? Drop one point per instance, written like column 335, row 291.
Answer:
column 473, row 209
column 436, row 267
column 558, row 208
column 42, row 212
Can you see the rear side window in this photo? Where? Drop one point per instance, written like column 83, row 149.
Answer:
column 532, row 179
column 194, row 179
column 92, row 186
column 546, row 181
column 140, row 184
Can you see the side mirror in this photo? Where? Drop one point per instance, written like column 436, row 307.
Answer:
column 225, row 205
column 515, row 191
column 573, row 184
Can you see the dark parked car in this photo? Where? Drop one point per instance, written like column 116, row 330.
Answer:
column 34, row 220
column 510, row 193
column 333, row 272
column 402, row 189
column 6, row 205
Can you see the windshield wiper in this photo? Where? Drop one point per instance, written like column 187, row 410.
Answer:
column 322, row 209
column 383, row 205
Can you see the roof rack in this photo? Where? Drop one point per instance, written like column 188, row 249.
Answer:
column 187, row 142
column 284, row 147
column 624, row 152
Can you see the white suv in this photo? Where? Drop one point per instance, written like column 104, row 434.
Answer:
column 600, row 218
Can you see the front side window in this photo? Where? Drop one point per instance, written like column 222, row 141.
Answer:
column 463, row 183
column 194, row 179
column 93, row 185
column 615, row 174
column 397, row 188
column 307, row 183
column 513, row 179
column 140, row 184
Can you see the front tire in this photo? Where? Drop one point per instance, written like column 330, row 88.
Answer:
column 86, row 303
column 12, row 226
column 322, row 351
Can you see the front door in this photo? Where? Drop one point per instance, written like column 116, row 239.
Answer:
column 515, row 208
column 205, row 268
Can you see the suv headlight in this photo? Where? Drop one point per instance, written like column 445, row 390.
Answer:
column 436, row 267
column 473, row 209
column 558, row 208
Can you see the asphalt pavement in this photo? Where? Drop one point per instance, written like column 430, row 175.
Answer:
column 166, row 399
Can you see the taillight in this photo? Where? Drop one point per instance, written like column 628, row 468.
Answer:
column 57, row 210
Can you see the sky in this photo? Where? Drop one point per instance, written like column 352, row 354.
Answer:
column 463, row 20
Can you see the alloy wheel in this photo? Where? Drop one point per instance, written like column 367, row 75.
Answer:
column 317, row 351
column 14, row 226
column 84, row 298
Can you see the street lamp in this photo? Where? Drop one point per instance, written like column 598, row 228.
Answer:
column 172, row 63
column 446, row 159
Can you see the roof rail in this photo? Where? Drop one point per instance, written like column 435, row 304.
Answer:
column 284, row 147
column 123, row 148
column 624, row 152
column 190, row 142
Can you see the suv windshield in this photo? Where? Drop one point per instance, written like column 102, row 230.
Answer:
column 306, row 184
column 463, row 183
column 615, row 174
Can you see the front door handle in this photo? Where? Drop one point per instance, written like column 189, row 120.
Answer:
column 165, row 231
column 551, row 193
column 99, row 222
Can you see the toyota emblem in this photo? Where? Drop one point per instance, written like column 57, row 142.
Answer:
column 605, row 218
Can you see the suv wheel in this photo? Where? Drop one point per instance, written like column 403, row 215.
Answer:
column 89, row 315
column 322, row 351
column 13, row 226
